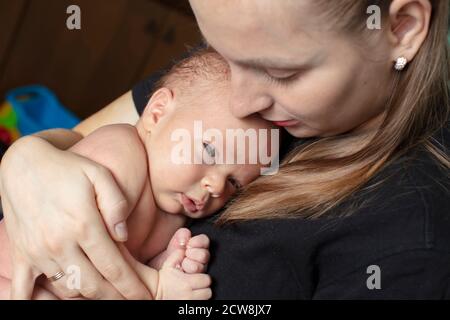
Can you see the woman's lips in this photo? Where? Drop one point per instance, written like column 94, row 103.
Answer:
column 286, row 123
column 188, row 204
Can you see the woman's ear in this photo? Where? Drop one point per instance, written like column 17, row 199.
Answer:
column 158, row 106
column 409, row 26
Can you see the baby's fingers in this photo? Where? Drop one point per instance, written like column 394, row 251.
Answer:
column 198, row 255
column 202, row 294
column 191, row 267
column 200, row 241
column 199, row 281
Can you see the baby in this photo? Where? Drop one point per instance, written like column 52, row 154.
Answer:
column 167, row 181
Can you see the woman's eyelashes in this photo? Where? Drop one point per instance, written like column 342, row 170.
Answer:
column 284, row 79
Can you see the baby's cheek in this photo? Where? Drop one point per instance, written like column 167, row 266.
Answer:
column 218, row 204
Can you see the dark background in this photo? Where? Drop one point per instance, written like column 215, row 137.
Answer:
column 120, row 43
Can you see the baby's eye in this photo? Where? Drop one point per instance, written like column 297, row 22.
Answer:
column 210, row 150
column 235, row 183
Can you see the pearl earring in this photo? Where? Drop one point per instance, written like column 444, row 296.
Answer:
column 400, row 63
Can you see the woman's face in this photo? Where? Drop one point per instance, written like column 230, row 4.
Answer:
column 288, row 68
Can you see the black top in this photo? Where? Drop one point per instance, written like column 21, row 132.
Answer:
column 400, row 237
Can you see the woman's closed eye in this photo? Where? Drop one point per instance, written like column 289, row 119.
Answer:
column 281, row 77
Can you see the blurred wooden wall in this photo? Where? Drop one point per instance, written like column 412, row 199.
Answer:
column 120, row 43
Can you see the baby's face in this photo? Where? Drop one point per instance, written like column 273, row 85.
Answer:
column 189, row 171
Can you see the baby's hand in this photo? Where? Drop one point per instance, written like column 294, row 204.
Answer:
column 197, row 254
column 174, row 284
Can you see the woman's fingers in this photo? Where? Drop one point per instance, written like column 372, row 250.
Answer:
column 112, row 266
column 111, row 202
column 58, row 286
column 22, row 283
column 82, row 279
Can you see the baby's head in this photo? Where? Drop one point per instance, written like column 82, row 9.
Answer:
column 195, row 162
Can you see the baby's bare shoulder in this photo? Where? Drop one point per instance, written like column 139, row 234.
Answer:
column 120, row 140
column 118, row 148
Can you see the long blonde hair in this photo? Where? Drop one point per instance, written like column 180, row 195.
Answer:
column 318, row 176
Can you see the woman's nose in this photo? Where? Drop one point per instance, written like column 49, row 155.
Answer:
column 247, row 96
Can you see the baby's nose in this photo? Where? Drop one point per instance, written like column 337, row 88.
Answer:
column 214, row 184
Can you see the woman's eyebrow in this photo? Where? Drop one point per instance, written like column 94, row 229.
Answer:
column 268, row 63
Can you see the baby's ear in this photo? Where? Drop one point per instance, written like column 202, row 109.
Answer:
column 158, row 106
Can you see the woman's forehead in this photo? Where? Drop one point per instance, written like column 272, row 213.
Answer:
column 252, row 15
column 254, row 40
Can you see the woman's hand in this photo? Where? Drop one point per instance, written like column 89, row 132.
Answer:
column 51, row 201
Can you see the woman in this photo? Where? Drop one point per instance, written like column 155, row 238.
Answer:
column 359, row 211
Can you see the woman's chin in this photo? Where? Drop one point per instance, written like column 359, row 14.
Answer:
column 302, row 132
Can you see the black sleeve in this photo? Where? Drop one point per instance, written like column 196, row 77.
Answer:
column 414, row 274
column 247, row 261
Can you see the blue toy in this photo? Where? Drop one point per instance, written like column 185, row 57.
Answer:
column 37, row 108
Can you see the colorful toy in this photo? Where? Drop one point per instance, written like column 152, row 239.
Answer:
column 35, row 108
column 8, row 124
column 31, row 109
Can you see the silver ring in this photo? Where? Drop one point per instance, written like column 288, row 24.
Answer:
column 57, row 276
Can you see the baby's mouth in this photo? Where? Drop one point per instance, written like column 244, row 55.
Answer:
column 188, row 203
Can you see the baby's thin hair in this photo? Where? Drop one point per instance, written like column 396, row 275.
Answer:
column 204, row 67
